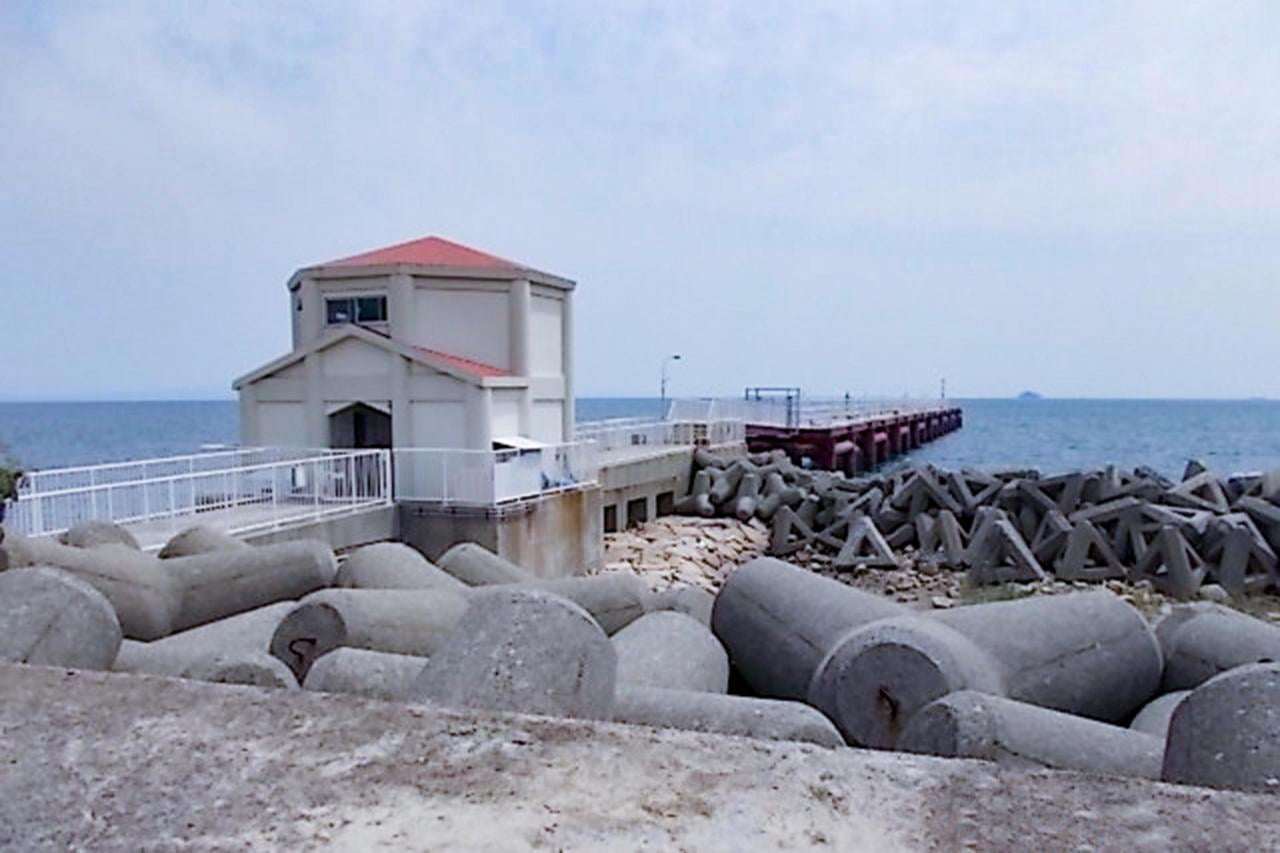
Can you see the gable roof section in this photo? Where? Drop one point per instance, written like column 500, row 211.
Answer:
column 430, row 256
column 467, row 365
column 464, row 369
column 428, row 252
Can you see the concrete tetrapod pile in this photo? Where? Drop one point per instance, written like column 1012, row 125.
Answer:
column 1075, row 682
column 1013, row 526
column 473, row 631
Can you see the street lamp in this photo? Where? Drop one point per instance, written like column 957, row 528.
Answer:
column 663, row 397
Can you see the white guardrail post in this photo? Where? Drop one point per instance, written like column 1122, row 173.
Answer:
column 52, row 501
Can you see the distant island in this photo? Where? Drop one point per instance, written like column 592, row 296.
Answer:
column 1029, row 395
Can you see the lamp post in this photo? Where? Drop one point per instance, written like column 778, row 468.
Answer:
column 663, row 397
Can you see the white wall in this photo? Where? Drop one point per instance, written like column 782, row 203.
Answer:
column 548, row 421
column 506, row 412
column 282, row 424
column 439, row 424
column 546, row 341
column 355, row 358
column 474, row 324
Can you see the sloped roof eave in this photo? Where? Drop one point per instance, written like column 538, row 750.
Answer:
column 321, row 271
column 423, row 357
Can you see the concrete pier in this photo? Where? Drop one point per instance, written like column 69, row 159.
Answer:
column 856, row 444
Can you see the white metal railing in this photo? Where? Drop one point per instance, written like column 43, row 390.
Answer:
column 59, row 479
column 806, row 412
column 614, row 435
column 268, row 488
column 488, row 478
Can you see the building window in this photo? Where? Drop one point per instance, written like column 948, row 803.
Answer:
column 355, row 309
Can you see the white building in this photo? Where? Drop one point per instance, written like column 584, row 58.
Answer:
column 422, row 344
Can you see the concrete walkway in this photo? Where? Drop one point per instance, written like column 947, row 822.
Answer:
column 242, row 520
column 114, row 762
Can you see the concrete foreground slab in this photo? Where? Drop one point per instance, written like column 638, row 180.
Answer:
column 118, row 762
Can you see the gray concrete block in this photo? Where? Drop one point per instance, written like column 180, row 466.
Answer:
column 864, row 546
column 475, row 565
column 364, row 672
column 393, row 565
column 739, row 716
column 52, row 618
column 200, row 539
column 698, row 501
column 256, row 669
column 410, row 622
column 614, row 599
column 243, row 634
column 875, row 679
column 141, row 592
column 672, row 651
column 1171, row 564
column 1154, row 717
column 747, row 497
column 690, row 600
column 217, row 584
column 154, row 598
column 1226, row 734
column 969, row 724
column 999, row 554
column 777, row 622
column 1051, row 538
column 526, row 651
column 91, row 534
column 1202, row 642
column 1088, row 556
column 1087, row 653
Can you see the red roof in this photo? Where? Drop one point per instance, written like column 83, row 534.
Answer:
column 428, row 252
column 475, row 368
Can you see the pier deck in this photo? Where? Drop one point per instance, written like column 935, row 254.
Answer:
column 856, row 443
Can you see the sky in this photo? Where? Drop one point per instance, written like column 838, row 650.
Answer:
column 1077, row 198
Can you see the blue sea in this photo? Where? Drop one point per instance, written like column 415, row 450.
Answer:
column 1052, row 435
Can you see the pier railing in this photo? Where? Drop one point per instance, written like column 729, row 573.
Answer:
column 795, row 413
column 622, row 434
column 254, row 488
column 489, row 478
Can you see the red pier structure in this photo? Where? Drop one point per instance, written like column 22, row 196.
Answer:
column 842, row 436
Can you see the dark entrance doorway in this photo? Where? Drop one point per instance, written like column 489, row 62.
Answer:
column 359, row 426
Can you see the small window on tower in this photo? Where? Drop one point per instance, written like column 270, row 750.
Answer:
column 355, row 309
column 339, row 311
column 371, row 309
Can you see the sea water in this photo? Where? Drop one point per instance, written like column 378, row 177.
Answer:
column 1052, row 435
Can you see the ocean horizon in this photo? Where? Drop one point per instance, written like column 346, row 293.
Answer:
column 1051, row 434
